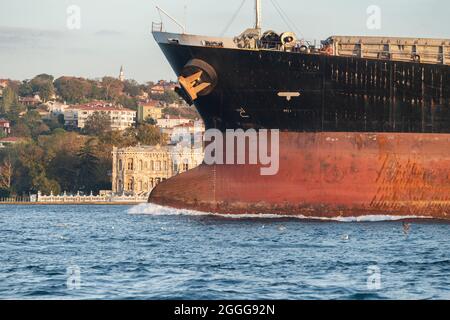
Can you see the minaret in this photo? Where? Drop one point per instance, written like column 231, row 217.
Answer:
column 258, row 14
column 121, row 74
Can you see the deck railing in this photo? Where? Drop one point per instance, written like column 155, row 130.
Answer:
column 157, row 27
column 425, row 56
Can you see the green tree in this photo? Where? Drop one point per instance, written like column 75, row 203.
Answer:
column 33, row 120
column 113, row 88
column 88, row 167
column 9, row 99
column 45, row 185
column 43, row 85
column 97, row 124
column 25, row 89
column 131, row 88
column 96, row 92
column 73, row 90
column 14, row 112
column 147, row 135
column 127, row 102
column 30, row 174
column 168, row 97
column 63, row 168
column 151, row 121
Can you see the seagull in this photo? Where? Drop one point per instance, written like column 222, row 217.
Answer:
column 345, row 237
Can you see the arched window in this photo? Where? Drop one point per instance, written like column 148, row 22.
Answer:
column 141, row 166
column 120, row 165
column 130, row 164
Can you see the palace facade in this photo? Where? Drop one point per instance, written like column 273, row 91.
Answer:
column 137, row 170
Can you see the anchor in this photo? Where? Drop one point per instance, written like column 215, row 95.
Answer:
column 197, row 78
column 192, row 85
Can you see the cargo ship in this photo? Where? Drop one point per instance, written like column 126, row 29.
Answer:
column 364, row 123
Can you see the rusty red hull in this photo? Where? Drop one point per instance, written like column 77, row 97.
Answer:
column 327, row 175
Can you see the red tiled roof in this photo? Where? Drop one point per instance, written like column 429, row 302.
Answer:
column 185, row 125
column 99, row 107
column 12, row 139
column 151, row 103
column 28, row 99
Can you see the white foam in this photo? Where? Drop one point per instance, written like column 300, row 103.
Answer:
column 156, row 210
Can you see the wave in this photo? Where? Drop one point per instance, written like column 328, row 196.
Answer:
column 157, row 210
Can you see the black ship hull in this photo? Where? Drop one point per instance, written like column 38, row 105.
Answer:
column 358, row 136
column 337, row 94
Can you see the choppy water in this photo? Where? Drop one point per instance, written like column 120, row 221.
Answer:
column 167, row 254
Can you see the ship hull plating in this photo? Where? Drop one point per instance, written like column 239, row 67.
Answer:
column 326, row 175
column 364, row 137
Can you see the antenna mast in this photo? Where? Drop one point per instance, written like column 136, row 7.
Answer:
column 258, row 14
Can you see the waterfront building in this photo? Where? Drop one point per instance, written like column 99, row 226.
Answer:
column 137, row 170
column 120, row 118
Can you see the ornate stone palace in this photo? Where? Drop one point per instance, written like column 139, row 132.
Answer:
column 137, row 170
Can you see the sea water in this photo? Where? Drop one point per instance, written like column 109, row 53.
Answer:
column 151, row 252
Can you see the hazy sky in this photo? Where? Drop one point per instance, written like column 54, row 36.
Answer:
column 34, row 37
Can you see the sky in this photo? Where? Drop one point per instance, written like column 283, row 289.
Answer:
column 35, row 37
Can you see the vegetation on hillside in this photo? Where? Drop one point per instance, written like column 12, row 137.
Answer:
column 48, row 158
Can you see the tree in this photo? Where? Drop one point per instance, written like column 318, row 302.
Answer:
column 9, row 99
column 151, row 121
column 14, row 112
column 169, row 97
column 87, row 167
column 97, row 124
column 30, row 126
column 119, row 139
column 25, row 89
column 149, row 135
column 132, row 88
column 113, row 88
column 30, row 173
column 43, row 85
column 45, row 185
column 73, row 90
column 6, row 172
column 63, row 168
column 96, row 92
column 127, row 102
